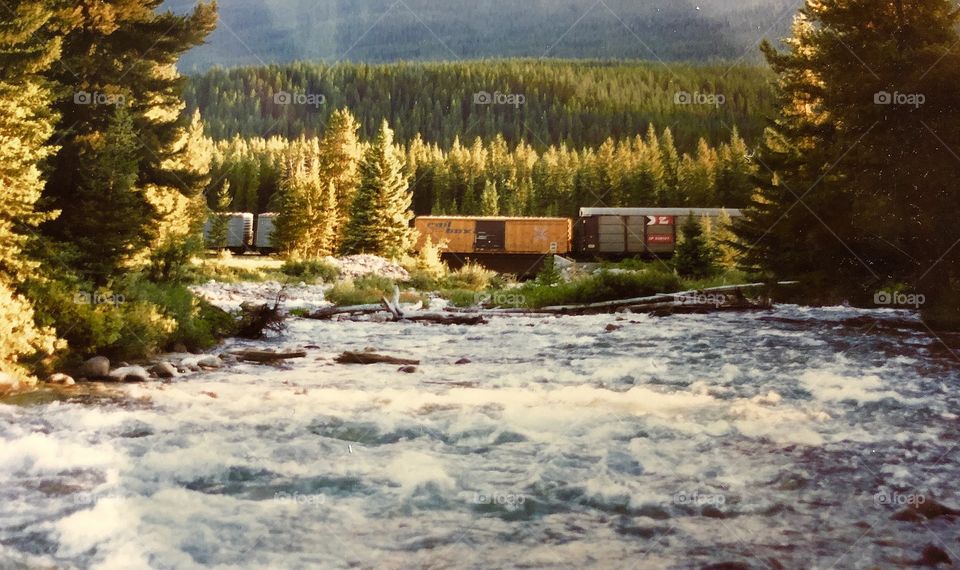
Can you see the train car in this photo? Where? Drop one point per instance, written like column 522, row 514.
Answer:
column 239, row 230
column 263, row 233
column 508, row 245
column 625, row 232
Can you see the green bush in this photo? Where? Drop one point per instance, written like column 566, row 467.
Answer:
column 460, row 297
column 311, row 270
column 602, row 286
column 365, row 290
column 472, row 276
column 199, row 325
column 128, row 323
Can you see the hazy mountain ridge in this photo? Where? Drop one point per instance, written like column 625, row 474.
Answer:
column 268, row 31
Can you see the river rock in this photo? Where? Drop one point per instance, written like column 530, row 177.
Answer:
column 163, row 370
column 407, row 369
column 210, row 361
column 926, row 510
column 190, row 364
column 96, row 367
column 933, row 555
column 130, row 374
column 60, row 378
column 463, row 361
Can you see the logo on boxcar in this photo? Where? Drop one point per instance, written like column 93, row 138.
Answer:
column 660, row 239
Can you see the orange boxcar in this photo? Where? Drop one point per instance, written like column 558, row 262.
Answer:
column 496, row 235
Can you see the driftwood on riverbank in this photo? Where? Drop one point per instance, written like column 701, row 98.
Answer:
column 267, row 355
column 349, row 357
column 713, row 299
column 393, row 309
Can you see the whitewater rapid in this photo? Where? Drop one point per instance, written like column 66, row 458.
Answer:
column 785, row 437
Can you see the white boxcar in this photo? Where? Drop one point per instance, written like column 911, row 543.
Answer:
column 264, row 237
column 239, row 229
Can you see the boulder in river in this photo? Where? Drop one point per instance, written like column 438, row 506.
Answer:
column 130, row 374
column 96, row 367
column 407, row 369
column 463, row 361
column 933, row 555
column 210, row 361
column 349, row 357
column 60, row 378
column 163, row 369
column 925, row 510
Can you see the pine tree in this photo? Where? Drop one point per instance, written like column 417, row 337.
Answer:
column 380, row 217
column 340, row 153
column 735, row 172
column 27, row 48
column 121, row 55
column 854, row 192
column 694, row 257
column 305, row 227
column 220, row 224
column 490, row 200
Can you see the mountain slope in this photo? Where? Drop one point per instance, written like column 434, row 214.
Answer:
column 269, row 31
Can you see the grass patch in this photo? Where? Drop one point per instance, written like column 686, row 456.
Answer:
column 311, row 270
column 235, row 269
column 367, row 290
column 601, row 286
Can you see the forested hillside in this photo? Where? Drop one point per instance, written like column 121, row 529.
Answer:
column 275, row 31
column 547, row 102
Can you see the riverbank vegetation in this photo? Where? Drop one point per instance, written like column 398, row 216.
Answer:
column 857, row 182
column 102, row 179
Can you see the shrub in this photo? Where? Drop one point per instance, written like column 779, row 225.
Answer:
column 364, row 290
column 602, row 286
column 461, row 297
column 130, row 323
column 311, row 270
column 472, row 276
column 695, row 257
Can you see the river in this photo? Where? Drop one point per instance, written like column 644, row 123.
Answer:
column 786, row 438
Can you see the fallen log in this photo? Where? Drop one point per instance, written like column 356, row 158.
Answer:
column 349, row 357
column 711, row 298
column 266, row 355
column 393, row 306
column 441, row 319
column 330, row 312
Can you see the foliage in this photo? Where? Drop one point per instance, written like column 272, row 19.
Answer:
column 887, row 211
column 472, row 276
column 427, row 270
column 601, row 286
column 645, row 170
column 364, row 290
column 311, row 270
column 694, row 255
column 549, row 274
column 220, row 224
column 27, row 48
column 379, row 217
column 577, row 103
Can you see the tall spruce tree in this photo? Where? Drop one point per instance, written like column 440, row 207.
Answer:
column 121, row 54
column 27, row 48
column 380, row 216
column 340, row 154
column 868, row 96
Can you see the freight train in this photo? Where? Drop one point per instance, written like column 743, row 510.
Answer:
column 518, row 245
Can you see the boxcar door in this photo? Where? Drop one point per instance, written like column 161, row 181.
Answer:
column 491, row 235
